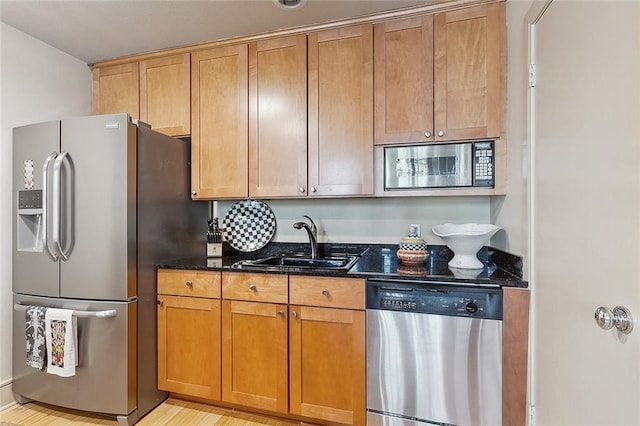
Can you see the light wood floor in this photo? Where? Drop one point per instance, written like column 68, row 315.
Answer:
column 171, row 412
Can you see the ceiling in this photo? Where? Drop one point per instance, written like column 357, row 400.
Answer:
column 93, row 30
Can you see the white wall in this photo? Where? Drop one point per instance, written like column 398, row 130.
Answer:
column 372, row 220
column 511, row 211
column 37, row 83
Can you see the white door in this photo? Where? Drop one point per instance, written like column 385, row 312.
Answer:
column 585, row 137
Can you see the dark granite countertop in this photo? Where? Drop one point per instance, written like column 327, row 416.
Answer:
column 376, row 260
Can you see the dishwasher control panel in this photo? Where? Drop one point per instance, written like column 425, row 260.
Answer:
column 434, row 298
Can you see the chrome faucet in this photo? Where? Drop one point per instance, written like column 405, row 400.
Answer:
column 313, row 235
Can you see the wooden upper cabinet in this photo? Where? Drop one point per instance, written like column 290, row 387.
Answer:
column 441, row 77
column 340, row 143
column 115, row 89
column 278, row 117
column 219, row 138
column 470, row 72
column 165, row 94
column 404, row 80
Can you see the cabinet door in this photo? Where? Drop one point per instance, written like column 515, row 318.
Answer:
column 278, row 117
column 470, row 55
column 254, row 355
column 327, row 364
column 165, row 94
column 341, row 111
column 219, row 139
column 404, row 80
column 189, row 346
column 116, row 89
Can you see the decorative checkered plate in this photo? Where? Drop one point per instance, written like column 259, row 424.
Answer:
column 249, row 225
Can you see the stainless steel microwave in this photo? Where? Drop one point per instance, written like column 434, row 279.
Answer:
column 464, row 164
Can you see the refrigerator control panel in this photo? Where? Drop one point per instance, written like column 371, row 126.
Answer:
column 30, row 199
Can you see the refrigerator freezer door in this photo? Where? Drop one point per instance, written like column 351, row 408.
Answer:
column 99, row 208
column 105, row 379
column 34, row 271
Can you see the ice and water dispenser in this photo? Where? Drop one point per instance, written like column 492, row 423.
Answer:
column 30, row 224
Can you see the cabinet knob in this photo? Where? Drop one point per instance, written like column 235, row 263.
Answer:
column 280, row 314
column 325, row 292
column 189, row 284
column 253, row 287
column 160, row 303
column 294, row 314
column 313, row 189
column 427, row 134
column 441, row 133
column 194, row 192
column 302, row 190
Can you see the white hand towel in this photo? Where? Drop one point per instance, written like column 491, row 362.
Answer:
column 61, row 342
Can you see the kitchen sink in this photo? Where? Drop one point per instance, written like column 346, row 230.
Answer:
column 285, row 263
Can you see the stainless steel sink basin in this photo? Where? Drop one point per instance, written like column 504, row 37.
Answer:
column 284, row 263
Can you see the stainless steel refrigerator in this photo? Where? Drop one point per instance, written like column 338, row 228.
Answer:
column 98, row 201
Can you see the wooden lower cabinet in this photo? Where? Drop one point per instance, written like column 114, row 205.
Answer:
column 254, row 355
column 515, row 350
column 189, row 346
column 233, row 337
column 327, row 364
column 189, row 332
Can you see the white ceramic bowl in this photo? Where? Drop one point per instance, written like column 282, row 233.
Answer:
column 465, row 240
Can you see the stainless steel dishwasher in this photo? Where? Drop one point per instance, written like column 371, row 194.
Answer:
column 434, row 353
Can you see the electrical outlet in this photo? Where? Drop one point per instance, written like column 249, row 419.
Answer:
column 415, row 228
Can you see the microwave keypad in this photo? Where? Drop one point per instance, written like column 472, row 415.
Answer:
column 484, row 168
column 483, row 164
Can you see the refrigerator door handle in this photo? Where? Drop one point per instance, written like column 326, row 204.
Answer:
column 57, row 207
column 109, row 313
column 45, row 206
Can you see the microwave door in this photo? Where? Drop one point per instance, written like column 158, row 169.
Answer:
column 428, row 166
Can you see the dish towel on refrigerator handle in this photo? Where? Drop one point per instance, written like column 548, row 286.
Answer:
column 61, row 342
column 35, row 337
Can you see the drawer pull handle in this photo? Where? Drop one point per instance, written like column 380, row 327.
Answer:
column 253, row 287
column 189, row 284
column 280, row 314
column 294, row 314
column 160, row 303
column 325, row 292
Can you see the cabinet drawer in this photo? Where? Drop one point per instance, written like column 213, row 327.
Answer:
column 189, row 283
column 255, row 287
column 330, row 292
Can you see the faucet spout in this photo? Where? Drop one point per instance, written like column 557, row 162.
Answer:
column 312, row 232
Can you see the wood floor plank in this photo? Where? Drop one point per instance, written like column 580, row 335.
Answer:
column 173, row 412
